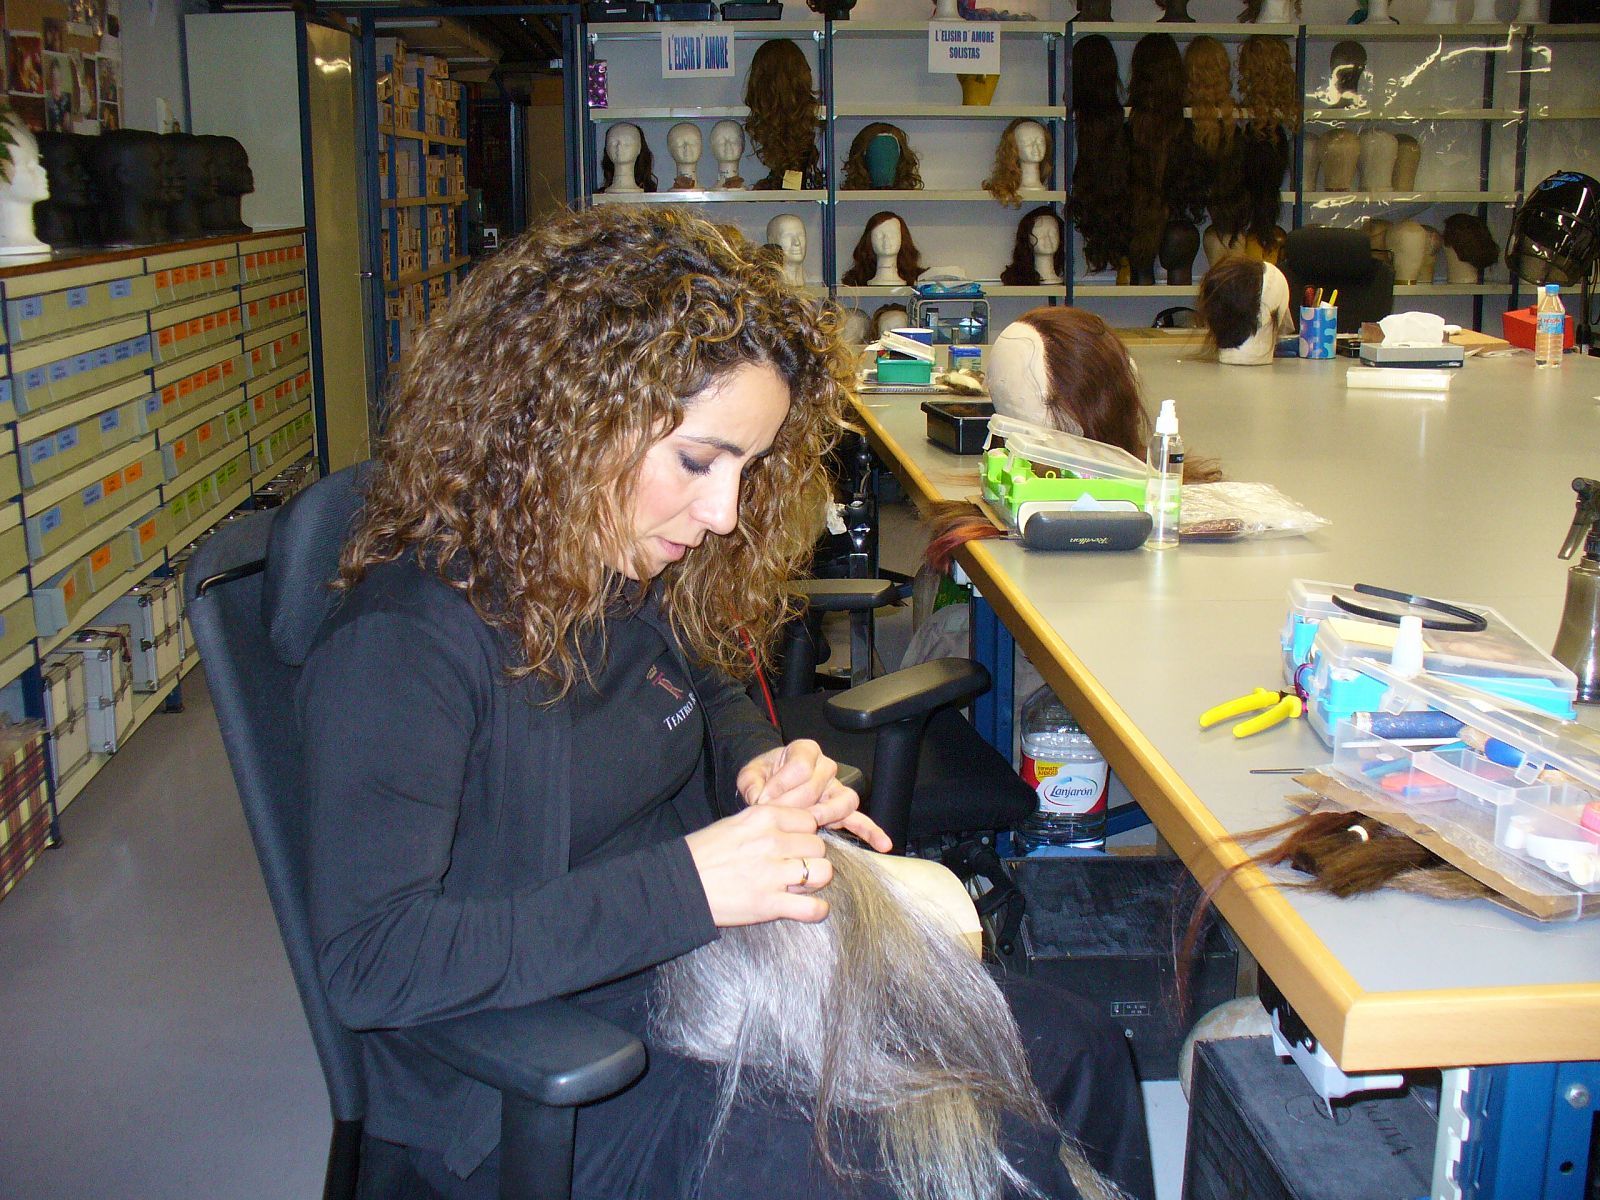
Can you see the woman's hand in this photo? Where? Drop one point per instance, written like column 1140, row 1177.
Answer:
column 801, row 776
column 761, row 865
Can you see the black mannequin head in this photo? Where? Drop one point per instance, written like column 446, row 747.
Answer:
column 196, row 164
column 68, row 217
column 231, row 175
column 137, row 179
column 1180, row 242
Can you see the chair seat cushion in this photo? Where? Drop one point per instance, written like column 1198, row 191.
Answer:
column 963, row 784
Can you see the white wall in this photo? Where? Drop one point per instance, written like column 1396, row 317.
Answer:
column 152, row 61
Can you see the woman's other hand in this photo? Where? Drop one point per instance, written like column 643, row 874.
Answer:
column 761, row 865
column 801, row 776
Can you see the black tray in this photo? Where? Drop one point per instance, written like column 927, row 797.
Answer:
column 958, row 425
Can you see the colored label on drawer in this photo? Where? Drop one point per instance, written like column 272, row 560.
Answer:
column 50, row 520
column 112, row 484
column 67, row 439
column 121, row 289
column 92, row 494
column 111, row 421
column 133, row 472
column 77, row 297
column 100, row 559
column 32, row 308
column 41, row 450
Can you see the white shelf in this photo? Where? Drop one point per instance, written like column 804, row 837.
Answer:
column 887, row 196
column 615, row 30
column 1339, row 199
column 1500, row 287
column 992, row 112
column 1333, row 116
column 1119, row 30
column 711, row 197
column 1368, row 31
column 901, row 28
column 681, row 112
column 1177, row 291
column 1547, row 113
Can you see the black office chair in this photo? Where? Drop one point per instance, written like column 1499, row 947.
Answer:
column 1319, row 257
column 257, row 593
column 1180, row 316
column 926, row 776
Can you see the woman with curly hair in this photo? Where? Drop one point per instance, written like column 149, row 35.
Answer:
column 529, row 773
column 1024, row 158
column 782, row 125
column 857, row 177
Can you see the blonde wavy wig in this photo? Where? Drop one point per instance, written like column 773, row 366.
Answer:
column 1006, row 176
column 1208, row 90
column 1267, row 85
column 518, row 425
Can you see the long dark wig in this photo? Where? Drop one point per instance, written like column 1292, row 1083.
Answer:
column 1098, row 204
column 782, row 125
column 1020, row 271
column 643, row 167
column 864, row 260
column 1155, row 121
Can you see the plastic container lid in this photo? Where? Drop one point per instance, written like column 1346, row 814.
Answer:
column 1045, row 447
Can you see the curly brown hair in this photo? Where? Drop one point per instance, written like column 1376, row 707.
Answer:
column 519, row 423
column 1006, row 176
column 907, row 173
column 864, row 259
column 1267, row 86
column 782, row 99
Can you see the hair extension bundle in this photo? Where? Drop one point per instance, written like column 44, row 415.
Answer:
column 1208, row 91
column 876, row 1015
column 1098, row 205
column 951, row 524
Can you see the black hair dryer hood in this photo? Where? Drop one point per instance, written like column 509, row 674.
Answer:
column 1555, row 236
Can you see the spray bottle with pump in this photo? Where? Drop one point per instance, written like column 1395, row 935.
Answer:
column 1578, row 640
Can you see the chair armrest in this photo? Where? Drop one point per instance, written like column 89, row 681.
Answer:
column 553, row 1052
column 844, row 595
column 911, row 692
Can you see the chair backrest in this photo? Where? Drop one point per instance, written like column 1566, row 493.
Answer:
column 257, row 591
column 1320, row 257
column 1180, row 316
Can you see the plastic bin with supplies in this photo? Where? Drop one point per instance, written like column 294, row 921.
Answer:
column 1103, row 926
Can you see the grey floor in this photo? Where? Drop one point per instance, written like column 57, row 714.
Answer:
column 155, row 1047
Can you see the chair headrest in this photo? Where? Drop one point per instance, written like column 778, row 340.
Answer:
column 1318, row 253
column 303, row 558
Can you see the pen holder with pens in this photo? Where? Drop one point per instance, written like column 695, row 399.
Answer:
column 1319, row 325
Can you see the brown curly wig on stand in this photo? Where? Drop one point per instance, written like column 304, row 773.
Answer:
column 1006, row 176
column 1155, row 121
column 907, row 175
column 1098, row 206
column 1021, row 271
column 864, row 259
column 517, row 428
column 782, row 125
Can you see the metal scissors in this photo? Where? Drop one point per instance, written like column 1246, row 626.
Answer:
column 1278, row 707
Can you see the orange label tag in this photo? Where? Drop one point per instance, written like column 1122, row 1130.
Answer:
column 207, row 270
column 147, row 531
column 180, row 449
column 133, row 472
column 164, row 338
column 100, row 559
column 214, row 375
column 163, row 279
column 112, row 483
column 204, row 432
column 169, row 394
column 69, row 588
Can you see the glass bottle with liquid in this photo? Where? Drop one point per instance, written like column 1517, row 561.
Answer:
column 1068, row 774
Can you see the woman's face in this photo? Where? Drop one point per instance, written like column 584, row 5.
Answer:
column 622, row 144
column 688, row 484
column 1030, row 142
column 886, row 239
column 1045, row 235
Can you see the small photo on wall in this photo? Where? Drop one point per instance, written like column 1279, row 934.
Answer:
column 60, row 91
column 110, row 84
column 110, row 117
column 25, row 64
column 55, row 35
column 88, row 105
column 31, row 110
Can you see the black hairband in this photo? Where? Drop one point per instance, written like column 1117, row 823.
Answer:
column 1465, row 620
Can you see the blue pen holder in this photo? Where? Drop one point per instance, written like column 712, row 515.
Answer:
column 1318, row 327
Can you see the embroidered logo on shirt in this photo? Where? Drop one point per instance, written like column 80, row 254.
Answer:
column 672, row 721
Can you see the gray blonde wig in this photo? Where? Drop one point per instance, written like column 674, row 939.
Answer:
column 877, row 1014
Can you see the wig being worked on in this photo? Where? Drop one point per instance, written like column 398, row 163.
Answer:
column 1099, row 206
column 1229, row 301
column 519, row 423
column 878, row 1014
column 644, row 173
column 782, row 125
column 1006, row 176
column 1021, row 271
column 864, row 259
column 907, row 176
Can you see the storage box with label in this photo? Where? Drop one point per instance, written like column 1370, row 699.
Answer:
column 64, row 713
column 152, row 641
column 58, row 600
column 59, row 451
column 13, row 551
column 1102, row 927
column 54, row 526
column 148, row 535
column 24, row 801
column 110, row 561
column 17, row 625
column 107, row 685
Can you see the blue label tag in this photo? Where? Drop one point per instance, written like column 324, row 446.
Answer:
column 103, row 357
column 5, row 391
column 92, row 494
column 32, row 308
column 67, row 439
column 110, row 421
column 77, row 297
column 83, row 363
column 51, row 521
column 122, row 351
column 121, row 289
column 41, row 450
column 60, row 371
column 35, row 379
column 141, row 345
column 152, row 404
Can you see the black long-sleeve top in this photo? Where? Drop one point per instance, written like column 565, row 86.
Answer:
column 440, row 796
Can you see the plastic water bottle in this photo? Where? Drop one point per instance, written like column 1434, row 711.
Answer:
column 1067, row 773
column 1162, row 498
column 1549, row 327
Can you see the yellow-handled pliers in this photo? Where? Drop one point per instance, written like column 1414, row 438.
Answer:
column 1279, row 706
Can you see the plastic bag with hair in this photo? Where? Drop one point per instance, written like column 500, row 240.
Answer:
column 877, row 1016
column 782, row 125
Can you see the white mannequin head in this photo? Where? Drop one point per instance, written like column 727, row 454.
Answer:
column 788, row 232
column 1408, row 244
column 1044, row 235
column 22, row 186
column 623, row 144
column 886, row 239
column 1018, row 377
column 890, row 316
column 1272, row 321
column 1031, row 142
column 683, row 143
column 727, row 147
column 857, row 326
